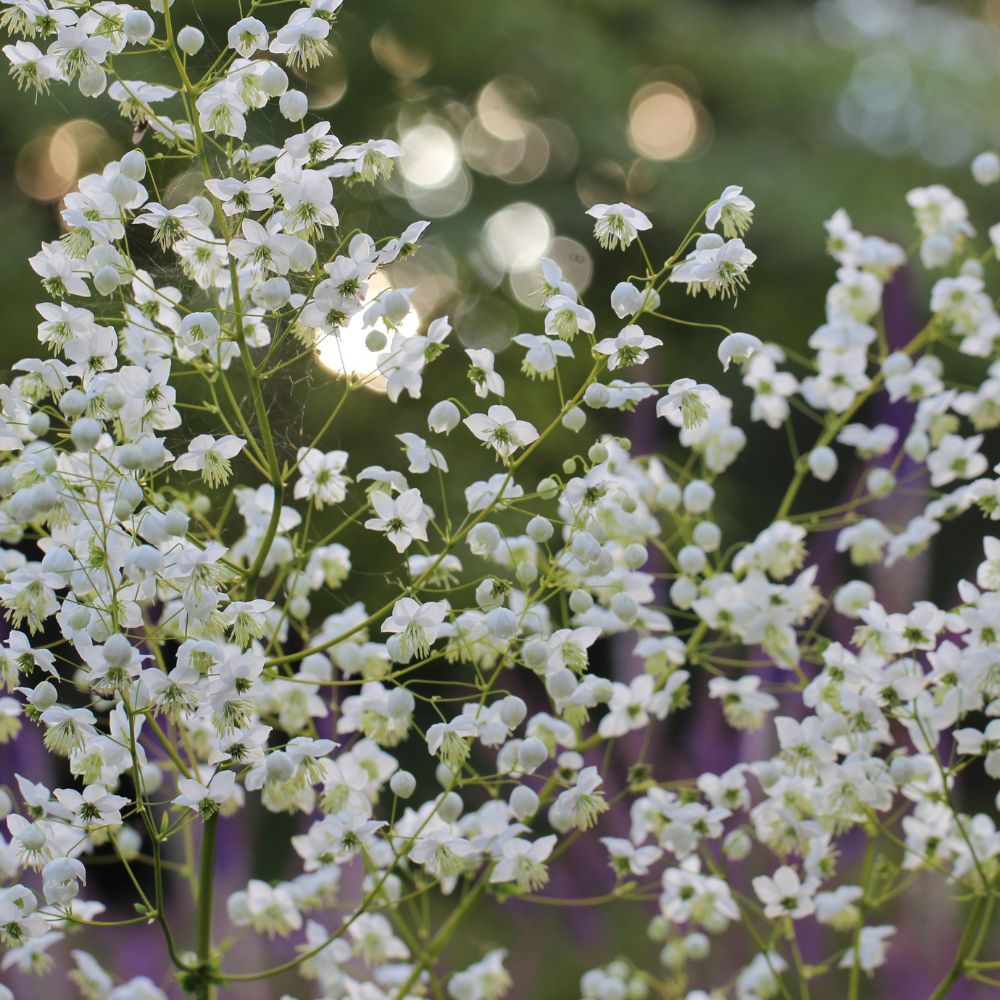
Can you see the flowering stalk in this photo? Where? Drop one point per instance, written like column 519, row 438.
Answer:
column 173, row 579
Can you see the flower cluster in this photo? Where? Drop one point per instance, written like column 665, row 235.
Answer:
column 182, row 639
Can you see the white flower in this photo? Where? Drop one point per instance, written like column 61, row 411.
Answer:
column 542, row 354
column 581, row 805
column 686, row 403
column 450, row 740
column 415, row 627
column 403, row 518
column 565, row 317
column 630, row 347
column 267, row 909
column 873, row 942
column 444, row 417
column 61, row 880
column 369, row 160
column 501, row 429
column 302, row 40
column 718, row 268
column 627, row 859
column 523, row 862
column 210, row 456
column 421, row 456
column 482, row 374
column 733, row 209
column 982, row 744
column 617, row 225
column 738, row 347
column 988, row 572
column 206, row 798
column 321, row 476
column 785, row 895
column 247, row 36
column 266, row 251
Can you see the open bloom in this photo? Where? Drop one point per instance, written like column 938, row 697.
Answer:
column 501, row 429
column 733, row 209
column 523, row 862
column 415, row 626
column 542, row 354
column 718, row 268
column 630, row 347
column 686, row 403
column 738, row 347
column 210, row 456
column 207, row 798
column 402, row 518
column 784, row 894
column 321, row 476
column 617, row 225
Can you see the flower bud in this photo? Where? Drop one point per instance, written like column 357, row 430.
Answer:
column 402, row 784
column 737, row 845
column 451, row 807
column 279, row 766
column 823, row 463
column 523, row 802
column 535, row 653
column 484, row 539
column 635, row 555
column 574, row 419
column 547, row 488
column 274, row 80
column 625, row 607
column 299, row 607
column 133, row 164
column 190, row 40
column 540, row 529
column 72, row 402
column 502, row 623
column 880, row 482
column 597, row 453
column 444, row 417
column 531, row 754
column 43, row 696
column 107, row 279
column 597, row 396
column 272, row 294
column 696, row 946
column 175, row 521
column 698, row 497
column 561, row 684
column 853, row 597
column 39, row 423
column 92, row 81
column 585, row 547
column 626, row 299
column 986, row 168
column 683, row 592
column 139, row 27
column 707, row 535
column 400, row 703
column 293, row 105
column 85, row 433
column 375, row 341
column 512, row 711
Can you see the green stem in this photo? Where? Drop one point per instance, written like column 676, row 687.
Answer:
column 206, row 882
